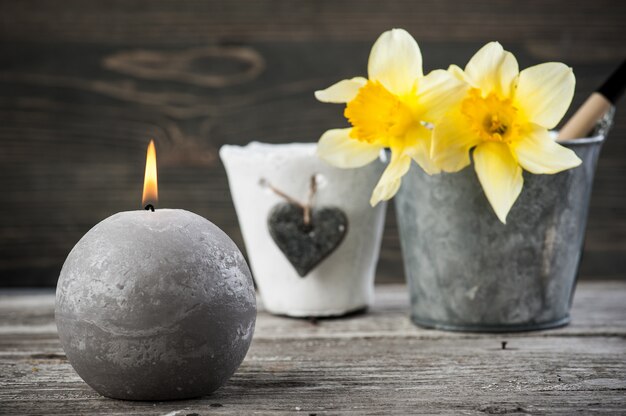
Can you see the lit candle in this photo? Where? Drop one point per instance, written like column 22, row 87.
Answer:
column 155, row 304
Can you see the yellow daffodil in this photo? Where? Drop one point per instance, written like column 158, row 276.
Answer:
column 505, row 117
column 391, row 109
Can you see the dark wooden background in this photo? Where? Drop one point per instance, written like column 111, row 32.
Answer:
column 84, row 84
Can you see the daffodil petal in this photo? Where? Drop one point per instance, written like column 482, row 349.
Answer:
column 544, row 92
column 395, row 61
column 500, row 176
column 420, row 152
column 492, row 69
column 437, row 92
column 452, row 141
column 339, row 149
column 342, row 91
column 391, row 179
column 458, row 73
column 539, row 153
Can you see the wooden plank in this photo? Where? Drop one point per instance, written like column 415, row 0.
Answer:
column 536, row 375
column 370, row 364
column 84, row 84
column 598, row 310
column 144, row 22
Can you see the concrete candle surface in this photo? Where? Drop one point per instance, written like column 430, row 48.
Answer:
column 344, row 281
column 155, row 306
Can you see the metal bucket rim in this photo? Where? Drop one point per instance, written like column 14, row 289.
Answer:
column 583, row 141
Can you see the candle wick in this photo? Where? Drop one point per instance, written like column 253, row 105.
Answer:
column 149, row 207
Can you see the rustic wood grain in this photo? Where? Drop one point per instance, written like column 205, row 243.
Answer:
column 84, row 84
column 376, row 363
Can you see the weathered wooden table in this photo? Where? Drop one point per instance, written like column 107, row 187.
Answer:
column 376, row 363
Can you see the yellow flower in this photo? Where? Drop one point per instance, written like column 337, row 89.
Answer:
column 390, row 110
column 505, row 117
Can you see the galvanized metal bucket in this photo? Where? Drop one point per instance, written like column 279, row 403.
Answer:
column 469, row 272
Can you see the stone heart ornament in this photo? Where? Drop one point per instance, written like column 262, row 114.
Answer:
column 304, row 234
column 306, row 244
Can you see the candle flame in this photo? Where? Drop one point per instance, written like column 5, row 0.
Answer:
column 150, row 187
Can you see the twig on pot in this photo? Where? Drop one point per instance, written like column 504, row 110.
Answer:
column 306, row 208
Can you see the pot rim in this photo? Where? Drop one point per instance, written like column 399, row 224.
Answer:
column 261, row 150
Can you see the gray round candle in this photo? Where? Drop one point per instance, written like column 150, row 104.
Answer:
column 155, row 306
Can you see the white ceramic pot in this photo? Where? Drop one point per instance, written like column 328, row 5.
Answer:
column 344, row 281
